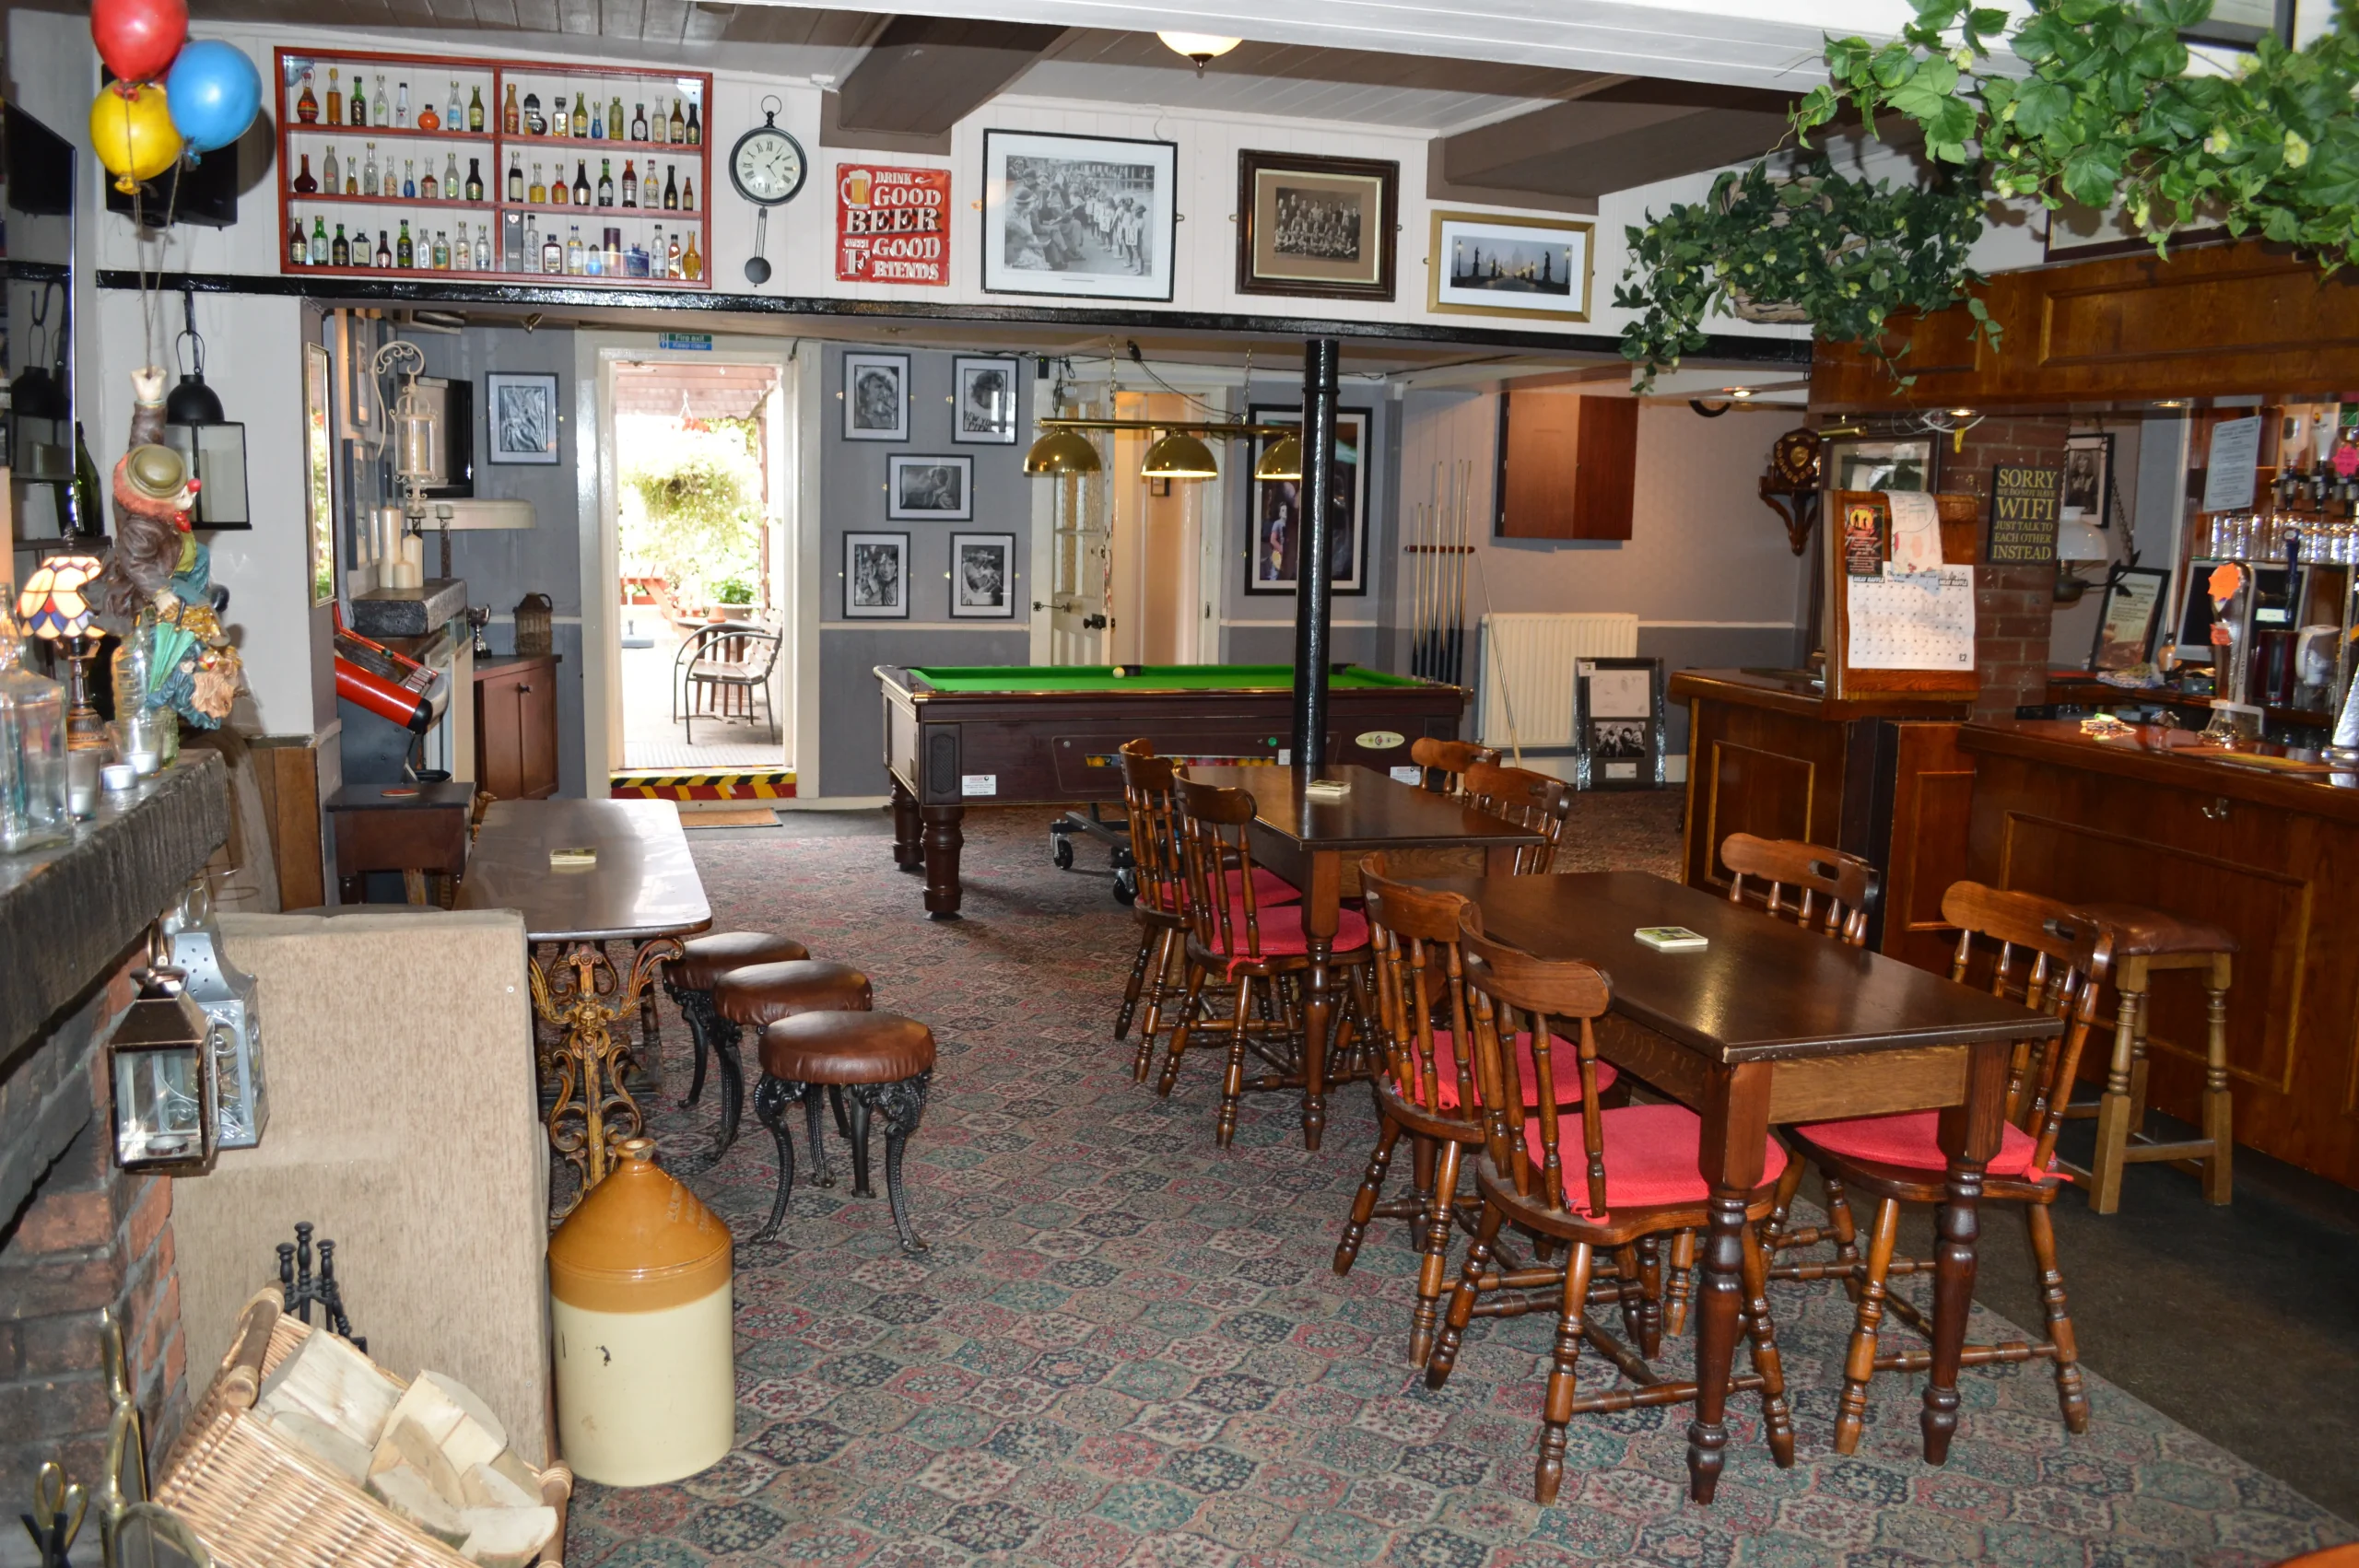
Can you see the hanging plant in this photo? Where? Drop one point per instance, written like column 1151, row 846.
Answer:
column 2107, row 116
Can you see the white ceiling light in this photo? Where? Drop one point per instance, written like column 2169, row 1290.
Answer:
column 1203, row 48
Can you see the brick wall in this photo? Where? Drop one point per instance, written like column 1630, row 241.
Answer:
column 2012, row 604
column 90, row 1237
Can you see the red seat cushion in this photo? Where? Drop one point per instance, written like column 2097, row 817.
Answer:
column 1564, row 1066
column 1651, row 1157
column 1281, row 936
column 1269, row 889
column 1908, row 1141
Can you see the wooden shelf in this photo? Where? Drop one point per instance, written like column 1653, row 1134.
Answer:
column 568, row 209
column 392, row 133
column 395, row 272
column 623, row 148
column 296, row 198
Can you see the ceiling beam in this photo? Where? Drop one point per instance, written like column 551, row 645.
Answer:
column 923, row 75
column 1622, row 133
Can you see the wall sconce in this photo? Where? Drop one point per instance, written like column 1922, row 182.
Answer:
column 160, row 1062
column 214, row 448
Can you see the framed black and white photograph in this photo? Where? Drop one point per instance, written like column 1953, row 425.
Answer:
column 982, row 577
column 877, row 397
column 2088, row 478
column 929, row 489
column 983, row 397
column 1274, row 510
column 1852, row 464
column 1618, row 724
column 1084, row 217
column 1322, row 228
column 876, row 577
column 522, row 415
column 1485, row 264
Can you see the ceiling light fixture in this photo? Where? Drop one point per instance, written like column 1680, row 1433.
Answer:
column 1061, row 453
column 1203, row 48
column 1178, row 455
column 1282, row 464
column 1739, row 393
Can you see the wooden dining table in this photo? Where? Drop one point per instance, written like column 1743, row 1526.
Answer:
column 637, row 886
column 1770, row 1025
column 1309, row 842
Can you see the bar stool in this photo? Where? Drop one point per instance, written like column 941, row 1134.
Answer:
column 689, row 978
column 2145, row 942
column 757, row 995
column 881, row 1061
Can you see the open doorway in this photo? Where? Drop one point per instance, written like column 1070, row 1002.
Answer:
column 706, row 649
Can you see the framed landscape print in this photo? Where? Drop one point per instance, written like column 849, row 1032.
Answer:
column 876, row 577
column 1084, row 218
column 523, row 416
column 983, row 397
column 1274, row 510
column 982, row 576
column 877, row 397
column 1618, row 724
column 1316, row 226
column 929, row 489
column 1483, row 265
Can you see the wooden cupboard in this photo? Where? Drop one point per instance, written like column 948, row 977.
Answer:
column 516, row 727
column 1568, row 464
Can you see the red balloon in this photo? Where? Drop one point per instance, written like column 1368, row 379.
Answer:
column 137, row 38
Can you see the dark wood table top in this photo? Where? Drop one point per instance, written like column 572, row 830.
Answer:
column 1764, row 991
column 450, row 795
column 644, row 886
column 1379, row 811
column 2253, row 771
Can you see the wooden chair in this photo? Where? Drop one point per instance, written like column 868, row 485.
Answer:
column 1425, row 1089
column 1448, row 758
column 1528, row 799
column 1632, row 1177
column 2052, row 958
column 1816, row 888
column 1259, row 950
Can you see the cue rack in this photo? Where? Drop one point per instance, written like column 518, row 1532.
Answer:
column 1437, row 542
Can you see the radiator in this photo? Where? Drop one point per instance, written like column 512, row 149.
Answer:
column 1532, row 655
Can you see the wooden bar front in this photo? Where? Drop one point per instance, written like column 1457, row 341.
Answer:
column 2272, row 856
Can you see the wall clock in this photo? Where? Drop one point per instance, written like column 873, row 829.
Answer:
column 767, row 167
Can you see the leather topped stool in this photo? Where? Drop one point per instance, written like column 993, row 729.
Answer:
column 704, row 959
column 2145, row 942
column 882, row 1064
column 754, row 995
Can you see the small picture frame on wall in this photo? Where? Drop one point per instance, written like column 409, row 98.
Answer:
column 1618, row 724
column 1484, row 264
column 1276, row 516
column 1080, row 218
column 876, row 577
column 2088, row 478
column 1316, row 228
column 877, row 397
column 522, row 415
column 1903, row 463
column 983, row 399
column 982, row 577
column 920, row 489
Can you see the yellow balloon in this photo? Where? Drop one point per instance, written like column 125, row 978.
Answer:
column 134, row 137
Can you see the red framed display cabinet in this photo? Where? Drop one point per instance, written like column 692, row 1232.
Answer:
column 506, row 126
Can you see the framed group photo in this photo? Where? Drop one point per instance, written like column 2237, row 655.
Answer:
column 1485, row 264
column 876, row 577
column 1274, row 512
column 1320, row 227
column 1618, row 724
column 1082, row 217
column 982, row 577
column 522, row 415
column 876, row 396
column 929, row 489
column 983, row 399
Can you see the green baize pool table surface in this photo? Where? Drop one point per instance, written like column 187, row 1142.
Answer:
column 1151, row 677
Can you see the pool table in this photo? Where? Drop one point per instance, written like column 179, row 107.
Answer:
column 1022, row 735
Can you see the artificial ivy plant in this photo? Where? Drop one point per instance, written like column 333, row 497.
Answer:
column 2106, row 115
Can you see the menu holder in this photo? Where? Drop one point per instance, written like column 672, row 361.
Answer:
column 1872, row 621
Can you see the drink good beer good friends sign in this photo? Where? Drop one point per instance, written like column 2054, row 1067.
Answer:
column 892, row 225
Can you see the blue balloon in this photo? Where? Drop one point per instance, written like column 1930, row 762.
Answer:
column 214, row 93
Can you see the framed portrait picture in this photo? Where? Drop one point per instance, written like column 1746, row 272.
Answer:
column 319, row 471
column 2088, row 478
column 1618, row 724
column 929, row 489
column 522, row 415
column 1275, row 509
column 1483, row 265
column 982, row 400
column 876, row 396
column 876, row 577
column 2133, row 607
column 1317, row 227
column 1854, row 463
column 982, row 577
column 1086, row 217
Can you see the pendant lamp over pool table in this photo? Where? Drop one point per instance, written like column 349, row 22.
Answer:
column 1180, row 455
column 1061, row 453
column 1282, row 462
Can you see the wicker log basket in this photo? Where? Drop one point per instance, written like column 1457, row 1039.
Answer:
column 260, row 1502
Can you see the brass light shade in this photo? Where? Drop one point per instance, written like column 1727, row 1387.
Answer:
column 1282, row 461
column 1061, row 453
column 1179, row 456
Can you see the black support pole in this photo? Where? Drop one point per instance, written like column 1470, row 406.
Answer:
column 1314, row 589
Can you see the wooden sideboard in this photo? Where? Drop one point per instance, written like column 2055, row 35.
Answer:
column 2152, row 819
column 516, row 726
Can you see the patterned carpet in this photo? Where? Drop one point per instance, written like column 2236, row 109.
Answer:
column 1128, row 1348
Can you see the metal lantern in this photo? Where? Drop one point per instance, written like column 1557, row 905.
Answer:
column 212, row 446
column 226, row 994
column 159, row 1063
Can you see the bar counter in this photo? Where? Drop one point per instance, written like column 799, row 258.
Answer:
column 2150, row 817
